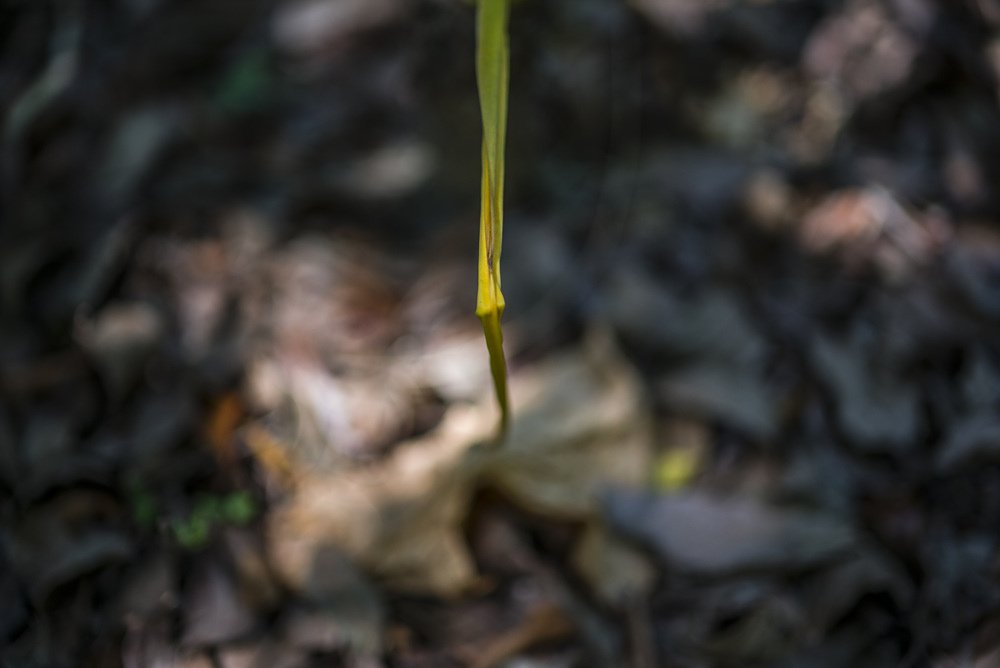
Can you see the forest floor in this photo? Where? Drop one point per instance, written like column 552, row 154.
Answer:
column 752, row 268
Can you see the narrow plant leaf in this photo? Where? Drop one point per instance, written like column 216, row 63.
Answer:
column 492, row 67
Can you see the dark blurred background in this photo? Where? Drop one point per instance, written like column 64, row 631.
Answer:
column 752, row 268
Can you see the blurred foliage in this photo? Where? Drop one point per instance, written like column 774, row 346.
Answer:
column 210, row 512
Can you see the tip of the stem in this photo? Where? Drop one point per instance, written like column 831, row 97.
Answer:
column 503, row 430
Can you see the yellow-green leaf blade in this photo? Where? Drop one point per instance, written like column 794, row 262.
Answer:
column 492, row 73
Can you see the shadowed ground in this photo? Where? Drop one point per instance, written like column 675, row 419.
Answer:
column 752, row 273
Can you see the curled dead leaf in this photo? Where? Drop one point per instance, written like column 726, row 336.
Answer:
column 582, row 426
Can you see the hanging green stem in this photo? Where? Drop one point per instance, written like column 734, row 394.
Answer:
column 492, row 71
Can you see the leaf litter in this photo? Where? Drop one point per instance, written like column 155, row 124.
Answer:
column 751, row 343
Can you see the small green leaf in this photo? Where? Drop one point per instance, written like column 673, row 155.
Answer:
column 209, row 513
column 193, row 533
column 238, row 508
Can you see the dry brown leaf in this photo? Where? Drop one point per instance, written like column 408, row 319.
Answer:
column 270, row 453
column 581, row 425
column 220, row 426
column 213, row 610
column 544, row 623
column 397, row 519
column 64, row 538
column 617, row 572
column 712, row 535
